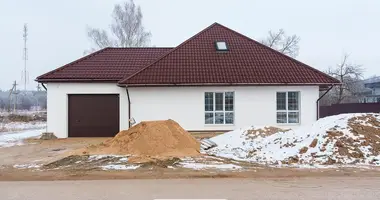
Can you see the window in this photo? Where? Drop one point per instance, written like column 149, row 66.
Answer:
column 219, row 108
column 288, row 107
column 221, row 46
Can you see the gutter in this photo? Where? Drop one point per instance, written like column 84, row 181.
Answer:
column 328, row 90
column 129, row 108
column 43, row 85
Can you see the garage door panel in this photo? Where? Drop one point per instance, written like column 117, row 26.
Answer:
column 93, row 115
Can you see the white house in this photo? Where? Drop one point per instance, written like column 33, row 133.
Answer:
column 217, row 80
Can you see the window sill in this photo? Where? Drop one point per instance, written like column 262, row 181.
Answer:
column 288, row 124
column 219, row 124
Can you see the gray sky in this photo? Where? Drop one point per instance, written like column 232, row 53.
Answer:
column 57, row 29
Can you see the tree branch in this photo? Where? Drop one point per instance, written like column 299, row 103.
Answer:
column 126, row 28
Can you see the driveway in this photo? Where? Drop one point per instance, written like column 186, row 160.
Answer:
column 233, row 189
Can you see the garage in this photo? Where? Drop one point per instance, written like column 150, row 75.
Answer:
column 93, row 115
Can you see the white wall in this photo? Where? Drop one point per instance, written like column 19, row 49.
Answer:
column 57, row 103
column 254, row 105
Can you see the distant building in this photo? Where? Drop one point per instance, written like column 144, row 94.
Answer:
column 372, row 94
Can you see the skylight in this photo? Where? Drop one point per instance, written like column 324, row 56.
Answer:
column 221, row 46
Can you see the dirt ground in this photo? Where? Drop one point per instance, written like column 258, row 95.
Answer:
column 231, row 189
column 44, row 152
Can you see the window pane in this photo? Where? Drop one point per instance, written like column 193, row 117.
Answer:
column 281, row 100
column 229, row 118
column 219, row 118
column 294, row 117
column 209, row 101
column 293, row 100
column 209, row 118
column 281, row 118
column 219, row 101
column 229, row 101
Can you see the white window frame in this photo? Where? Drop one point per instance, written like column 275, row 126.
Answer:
column 287, row 111
column 223, row 47
column 219, row 111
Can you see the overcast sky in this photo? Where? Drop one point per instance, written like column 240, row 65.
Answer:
column 57, row 29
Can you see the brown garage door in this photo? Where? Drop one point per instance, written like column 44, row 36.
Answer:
column 93, row 115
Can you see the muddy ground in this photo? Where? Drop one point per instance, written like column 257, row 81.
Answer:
column 232, row 189
column 41, row 152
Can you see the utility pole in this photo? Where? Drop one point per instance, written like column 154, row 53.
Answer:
column 12, row 92
column 24, row 75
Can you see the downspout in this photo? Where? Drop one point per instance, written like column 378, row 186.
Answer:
column 129, row 108
column 321, row 98
column 44, row 86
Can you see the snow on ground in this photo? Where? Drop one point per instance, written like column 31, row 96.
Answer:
column 27, row 166
column 19, row 126
column 10, row 139
column 193, row 164
column 200, row 166
column 21, row 112
column 22, row 120
column 340, row 139
column 120, row 167
column 99, row 157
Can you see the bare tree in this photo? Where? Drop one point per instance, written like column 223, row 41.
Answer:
column 288, row 45
column 350, row 75
column 126, row 29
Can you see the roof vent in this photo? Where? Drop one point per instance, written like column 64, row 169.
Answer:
column 221, row 46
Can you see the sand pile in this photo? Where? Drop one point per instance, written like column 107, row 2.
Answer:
column 342, row 139
column 151, row 138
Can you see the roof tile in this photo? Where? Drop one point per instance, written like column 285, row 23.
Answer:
column 197, row 62
column 109, row 64
column 194, row 62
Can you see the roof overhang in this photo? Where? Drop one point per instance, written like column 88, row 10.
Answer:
column 77, row 80
column 321, row 85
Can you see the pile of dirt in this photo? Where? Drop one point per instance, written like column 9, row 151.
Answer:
column 362, row 144
column 150, row 139
column 342, row 139
column 48, row 136
column 356, row 141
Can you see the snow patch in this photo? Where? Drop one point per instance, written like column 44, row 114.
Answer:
column 124, row 160
column 190, row 163
column 27, row 166
column 120, row 167
column 200, row 166
column 20, row 126
column 16, row 139
column 98, row 157
column 246, row 144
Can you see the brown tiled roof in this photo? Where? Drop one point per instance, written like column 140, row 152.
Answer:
column 109, row 64
column 247, row 62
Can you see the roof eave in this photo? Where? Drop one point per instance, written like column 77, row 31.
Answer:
column 76, row 80
column 226, row 84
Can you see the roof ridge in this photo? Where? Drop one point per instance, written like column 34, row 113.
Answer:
column 140, row 47
column 74, row 62
column 165, row 55
column 281, row 54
